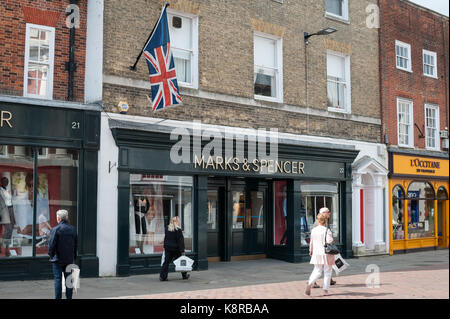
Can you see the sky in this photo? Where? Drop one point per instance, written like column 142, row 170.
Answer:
column 440, row 6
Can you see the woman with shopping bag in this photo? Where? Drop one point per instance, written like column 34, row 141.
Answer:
column 173, row 247
column 321, row 261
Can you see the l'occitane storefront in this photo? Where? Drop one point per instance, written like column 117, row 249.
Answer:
column 418, row 188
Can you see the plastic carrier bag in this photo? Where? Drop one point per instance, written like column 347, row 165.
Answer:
column 183, row 264
column 339, row 264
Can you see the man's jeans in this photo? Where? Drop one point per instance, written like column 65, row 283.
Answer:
column 57, row 272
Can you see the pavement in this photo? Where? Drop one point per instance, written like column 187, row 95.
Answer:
column 415, row 275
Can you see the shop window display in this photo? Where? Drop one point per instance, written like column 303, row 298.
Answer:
column 280, row 213
column 212, row 210
column 314, row 197
column 398, row 223
column 421, row 214
column 33, row 207
column 154, row 200
column 238, row 210
column 442, row 197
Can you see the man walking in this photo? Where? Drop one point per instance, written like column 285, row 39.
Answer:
column 63, row 251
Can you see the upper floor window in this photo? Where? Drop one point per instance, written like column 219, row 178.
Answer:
column 432, row 126
column 403, row 56
column 183, row 30
column 337, row 9
column 268, row 79
column 429, row 63
column 405, row 122
column 39, row 55
column 338, row 82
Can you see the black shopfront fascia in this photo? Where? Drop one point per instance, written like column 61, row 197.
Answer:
column 38, row 126
column 147, row 151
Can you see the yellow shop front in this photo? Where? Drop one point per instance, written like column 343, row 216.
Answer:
column 419, row 210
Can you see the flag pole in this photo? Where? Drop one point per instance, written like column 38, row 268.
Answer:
column 133, row 67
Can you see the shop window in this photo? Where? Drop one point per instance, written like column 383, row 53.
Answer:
column 280, row 213
column 442, row 194
column 154, row 200
column 398, row 223
column 55, row 189
column 314, row 197
column 212, row 210
column 39, row 53
column 238, row 209
column 3, row 150
column 421, row 214
column 442, row 197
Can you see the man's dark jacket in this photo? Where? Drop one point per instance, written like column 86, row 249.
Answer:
column 174, row 240
column 63, row 244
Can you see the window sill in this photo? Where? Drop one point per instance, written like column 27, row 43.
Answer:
column 268, row 99
column 433, row 149
column 337, row 18
column 31, row 96
column 405, row 146
column 406, row 70
column 430, row 76
column 337, row 110
column 187, row 85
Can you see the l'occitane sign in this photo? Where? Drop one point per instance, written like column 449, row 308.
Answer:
column 422, row 166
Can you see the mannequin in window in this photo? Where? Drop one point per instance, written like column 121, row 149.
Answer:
column 283, row 239
column 141, row 209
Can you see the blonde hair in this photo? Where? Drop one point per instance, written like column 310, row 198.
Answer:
column 173, row 225
column 321, row 219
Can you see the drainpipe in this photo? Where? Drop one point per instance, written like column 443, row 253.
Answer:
column 71, row 66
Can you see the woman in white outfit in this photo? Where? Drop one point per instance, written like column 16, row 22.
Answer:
column 320, row 260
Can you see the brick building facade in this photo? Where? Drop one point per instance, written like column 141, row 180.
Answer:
column 49, row 137
column 414, row 70
column 338, row 108
column 14, row 15
column 226, row 69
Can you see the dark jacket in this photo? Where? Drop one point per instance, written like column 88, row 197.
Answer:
column 174, row 240
column 63, row 244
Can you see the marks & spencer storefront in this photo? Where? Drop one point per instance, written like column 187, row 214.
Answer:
column 48, row 161
column 232, row 206
column 419, row 191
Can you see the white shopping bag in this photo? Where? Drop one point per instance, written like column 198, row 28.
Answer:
column 183, row 263
column 163, row 257
column 339, row 264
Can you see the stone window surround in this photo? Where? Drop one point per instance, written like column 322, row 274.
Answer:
column 433, row 54
column 436, row 135
column 408, row 47
column 279, row 74
column 411, row 123
column 194, row 35
column 49, row 89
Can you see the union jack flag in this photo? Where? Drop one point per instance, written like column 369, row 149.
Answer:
column 161, row 66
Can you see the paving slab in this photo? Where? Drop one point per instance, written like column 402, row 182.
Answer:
column 250, row 273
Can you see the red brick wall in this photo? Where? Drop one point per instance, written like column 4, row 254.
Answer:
column 14, row 15
column 421, row 29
